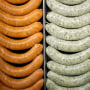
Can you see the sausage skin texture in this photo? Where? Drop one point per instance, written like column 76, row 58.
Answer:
column 69, row 81
column 67, row 59
column 69, row 22
column 21, row 83
column 68, row 46
column 17, row 1
column 20, row 32
column 21, row 44
column 37, row 86
column 19, row 10
column 52, row 86
column 68, row 34
column 21, row 58
column 21, row 71
column 69, row 70
column 28, row 19
column 71, row 2
column 76, row 10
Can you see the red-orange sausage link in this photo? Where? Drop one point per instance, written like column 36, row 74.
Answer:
column 21, row 83
column 21, row 58
column 21, row 71
column 20, row 44
column 21, row 20
column 19, row 10
column 20, row 32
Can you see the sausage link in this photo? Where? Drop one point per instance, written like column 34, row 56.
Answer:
column 37, row 86
column 21, row 83
column 67, row 59
column 21, row 71
column 65, row 10
column 68, row 46
column 20, row 32
column 69, row 22
column 19, row 10
column 20, row 44
column 21, row 20
column 21, row 58
column 17, row 1
column 52, row 86
column 69, row 70
column 68, row 34
column 71, row 2
column 69, row 81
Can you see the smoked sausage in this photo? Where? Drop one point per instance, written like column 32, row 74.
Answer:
column 21, row 58
column 22, row 44
column 21, row 83
column 21, row 71
column 19, row 10
column 21, row 20
column 20, row 32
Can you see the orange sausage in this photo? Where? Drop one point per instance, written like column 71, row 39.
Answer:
column 17, row 1
column 19, row 10
column 21, row 20
column 20, row 32
column 21, row 58
column 37, row 86
column 21, row 83
column 20, row 44
column 21, row 71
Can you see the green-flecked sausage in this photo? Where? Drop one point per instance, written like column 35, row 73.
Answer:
column 65, row 10
column 69, row 22
column 67, row 59
column 71, row 2
column 52, row 86
column 69, row 70
column 68, row 34
column 68, row 46
column 69, row 81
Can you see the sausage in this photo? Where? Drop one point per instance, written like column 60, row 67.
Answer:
column 21, row 83
column 21, row 58
column 21, row 71
column 20, row 32
column 69, row 81
column 52, row 86
column 68, row 34
column 68, row 46
column 65, row 10
column 22, row 44
column 37, row 86
column 67, row 59
column 21, row 20
column 69, row 70
column 17, row 1
column 68, row 22
column 20, row 10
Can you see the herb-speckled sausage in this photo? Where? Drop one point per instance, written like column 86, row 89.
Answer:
column 52, row 86
column 69, row 22
column 68, row 34
column 65, row 10
column 69, row 81
column 28, row 19
column 21, row 44
column 68, row 46
column 19, row 10
column 21, row 71
column 21, row 83
column 20, row 32
column 21, row 58
column 67, row 59
column 69, row 70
